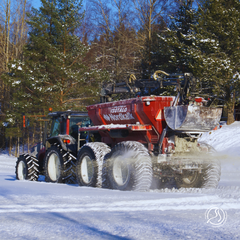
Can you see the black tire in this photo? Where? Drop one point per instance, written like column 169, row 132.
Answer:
column 189, row 179
column 71, row 162
column 89, row 164
column 56, row 165
column 128, row 167
column 209, row 175
column 105, row 181
column 27, row 168
column 207, row 178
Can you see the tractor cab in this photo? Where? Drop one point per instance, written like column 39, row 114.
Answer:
column 64, row 130
column 68, row 123
column 61, row 130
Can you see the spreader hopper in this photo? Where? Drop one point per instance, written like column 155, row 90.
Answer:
column 192, row 118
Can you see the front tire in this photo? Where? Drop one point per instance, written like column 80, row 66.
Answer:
column 27, row 168
column 129, row 167
column 55, row 166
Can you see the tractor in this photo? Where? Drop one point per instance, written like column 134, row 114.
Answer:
column 59, row 148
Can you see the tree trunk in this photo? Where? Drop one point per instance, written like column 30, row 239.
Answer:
column 28, row 141
column 230, row 114
column 7, row 30
column 18, row 146
column 10, row 146
column 16, row 153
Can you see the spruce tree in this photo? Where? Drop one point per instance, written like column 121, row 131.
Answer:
column 179, row 39
column 53, row 73
column 208, row 46
column 177, row 44
column 217, row 35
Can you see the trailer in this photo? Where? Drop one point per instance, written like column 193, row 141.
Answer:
column 146, row 139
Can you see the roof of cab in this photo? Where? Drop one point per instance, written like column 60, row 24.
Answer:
column 68, row 113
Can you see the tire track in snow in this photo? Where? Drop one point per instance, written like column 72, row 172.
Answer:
column 190, row 203
column 7, row 164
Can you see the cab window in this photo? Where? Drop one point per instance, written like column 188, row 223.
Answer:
column 55, row 129
column 76, row 122
column 58, row 126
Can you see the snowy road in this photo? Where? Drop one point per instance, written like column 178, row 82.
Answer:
column 39, row 210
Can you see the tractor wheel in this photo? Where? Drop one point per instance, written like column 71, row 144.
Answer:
column 208, row 178
column 89, row 164
column 129, row 167
column 27, row 168
column 56, row 165
column 71, row 168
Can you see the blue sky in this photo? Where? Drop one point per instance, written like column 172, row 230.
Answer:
column 36, row 3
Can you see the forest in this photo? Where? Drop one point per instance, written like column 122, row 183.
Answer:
column 59, row 55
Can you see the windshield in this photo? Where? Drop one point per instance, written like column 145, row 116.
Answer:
column 58, row 126
column 76, row 122
column 55, row 129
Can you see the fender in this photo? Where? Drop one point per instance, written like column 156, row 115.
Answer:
column 67, row 142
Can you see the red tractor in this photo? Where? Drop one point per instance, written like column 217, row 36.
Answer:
column 136, row 143
column 55, row 157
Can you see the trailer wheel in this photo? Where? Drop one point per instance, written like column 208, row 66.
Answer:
column 189, row 179
column 129, row 167
column 89, row 164
column 55, row 165
column 27, row 168
column 208, row 178
column 211, row 174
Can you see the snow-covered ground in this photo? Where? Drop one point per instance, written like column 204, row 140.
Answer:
column 39, row 210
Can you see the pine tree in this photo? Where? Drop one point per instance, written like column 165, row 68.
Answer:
column 217, row 35
column 53, row 73
column 177, row 44
column 179, row 38
column 208, row 46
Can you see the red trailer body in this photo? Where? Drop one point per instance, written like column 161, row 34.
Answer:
column 143, row 117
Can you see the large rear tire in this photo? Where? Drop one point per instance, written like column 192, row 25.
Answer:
column 209, row 175
column 207, row 178
column 189, row 179
column 57, row 166
column 89, row 164
column 27, row 168
column 128, row 167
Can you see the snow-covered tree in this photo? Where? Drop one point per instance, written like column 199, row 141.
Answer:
column 179, row 38
column 53, row 73
column 206, row 43
column 218, row 35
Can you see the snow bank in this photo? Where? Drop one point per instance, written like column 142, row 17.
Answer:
column 225, row 140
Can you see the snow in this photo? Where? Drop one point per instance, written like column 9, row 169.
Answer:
column 225, row 140
column 40, row 210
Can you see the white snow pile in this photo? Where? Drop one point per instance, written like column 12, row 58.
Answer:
column 40, row 210
column 225, row 140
